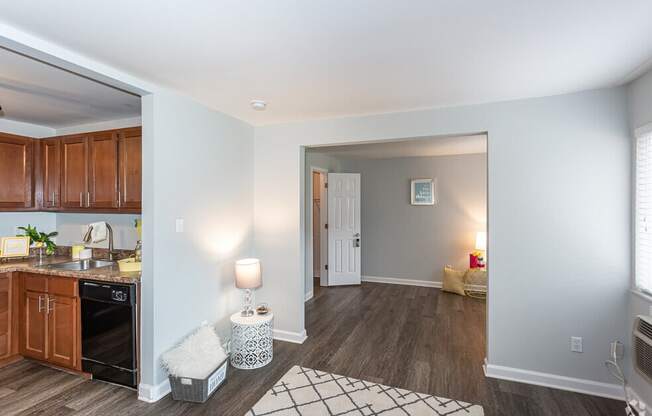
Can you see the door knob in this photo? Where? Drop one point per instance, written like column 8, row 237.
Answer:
column 356, row 235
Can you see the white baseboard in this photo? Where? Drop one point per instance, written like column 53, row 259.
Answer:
column 578, row 385
column 287, row 336
column 476, row 288
column 398, row 281
column 309, row 296
column 150, row 394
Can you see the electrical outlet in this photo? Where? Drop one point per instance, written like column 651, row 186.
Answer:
column 179, row 225
column 576, row 344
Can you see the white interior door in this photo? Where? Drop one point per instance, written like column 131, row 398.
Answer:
column 344, row 229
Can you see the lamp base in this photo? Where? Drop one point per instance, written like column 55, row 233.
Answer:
column 247, row 309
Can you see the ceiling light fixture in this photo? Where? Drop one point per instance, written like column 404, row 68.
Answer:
column 258, row 105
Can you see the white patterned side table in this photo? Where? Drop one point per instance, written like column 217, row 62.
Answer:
column 252, row 340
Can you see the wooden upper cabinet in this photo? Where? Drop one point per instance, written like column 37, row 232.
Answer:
column 51, row 172
column 74, row 172
column 129, row 168
column 16, row 172
column 103, row 174
column 94, row 172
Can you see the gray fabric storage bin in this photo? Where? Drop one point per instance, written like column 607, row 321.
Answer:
column 198, row 390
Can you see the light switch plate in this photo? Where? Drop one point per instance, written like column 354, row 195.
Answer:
column 179, row 225
column 576, row 344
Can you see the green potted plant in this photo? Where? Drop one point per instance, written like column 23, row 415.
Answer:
column 41, row 240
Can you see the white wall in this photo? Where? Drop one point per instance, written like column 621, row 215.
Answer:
column 404, row 241
column 639, row 100
column 559, row 219
column 639, row 94
column 25, row 129
column 198, row 166
column 102, row 125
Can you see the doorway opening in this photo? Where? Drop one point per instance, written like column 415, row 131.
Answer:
column 422, row 218
column 319, row 215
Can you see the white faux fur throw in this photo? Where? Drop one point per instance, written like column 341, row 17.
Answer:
column 197, row 356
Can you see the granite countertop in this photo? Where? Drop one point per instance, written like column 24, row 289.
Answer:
column 106, row 274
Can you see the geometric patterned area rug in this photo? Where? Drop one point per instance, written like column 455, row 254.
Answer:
column 306, row 392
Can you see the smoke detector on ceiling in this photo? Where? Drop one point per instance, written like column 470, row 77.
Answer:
column 258, row 105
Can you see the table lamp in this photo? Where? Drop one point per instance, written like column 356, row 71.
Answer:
column 247, row 277
column 481, row 241
column 481, row 248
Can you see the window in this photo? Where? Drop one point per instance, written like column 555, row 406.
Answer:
column 643, row 231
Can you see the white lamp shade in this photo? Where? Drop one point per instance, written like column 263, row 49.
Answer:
column 247, row 274
column 481, row 241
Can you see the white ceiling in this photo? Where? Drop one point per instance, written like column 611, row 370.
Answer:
column 328, row 58
column 414, row 147
column 37, row 93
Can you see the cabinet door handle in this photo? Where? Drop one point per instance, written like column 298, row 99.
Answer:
column 52, row 199
column 54, row 202
column 81, row 199
column 119, row 199
column 40, row 303
column 88, row 199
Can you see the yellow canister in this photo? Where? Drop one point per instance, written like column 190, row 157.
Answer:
column 76, row 249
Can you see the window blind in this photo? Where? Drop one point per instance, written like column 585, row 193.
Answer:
column 643, row 242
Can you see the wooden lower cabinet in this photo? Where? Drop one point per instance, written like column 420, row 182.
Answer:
column 50, row 320
column 34, row 335
column 8, row 317
column 62, row 322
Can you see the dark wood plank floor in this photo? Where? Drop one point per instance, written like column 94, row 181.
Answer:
column 410, row 337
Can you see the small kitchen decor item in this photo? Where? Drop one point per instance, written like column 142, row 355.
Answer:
column 129, row 265
column 14, row 246
column 262, row 309
column 247, row 276
column 423, row 191
column 252, row 340
column 40, row 239
column 76, row 249
column 197, row 367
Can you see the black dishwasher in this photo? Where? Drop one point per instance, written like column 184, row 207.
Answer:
column 108, row 315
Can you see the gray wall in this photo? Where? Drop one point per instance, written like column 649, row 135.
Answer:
column 639, row 93
column 558, row 219
column 405, row 241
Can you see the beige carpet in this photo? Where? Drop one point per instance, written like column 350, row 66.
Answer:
column 306, row 392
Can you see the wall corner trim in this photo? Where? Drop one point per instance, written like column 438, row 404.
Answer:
column 309, row 295
column 577, row 385
column 287, row 336
column 150, row 394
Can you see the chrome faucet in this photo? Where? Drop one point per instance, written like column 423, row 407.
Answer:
column 87, row 238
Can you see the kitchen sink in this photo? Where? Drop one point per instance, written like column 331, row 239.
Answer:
column 81, row 264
